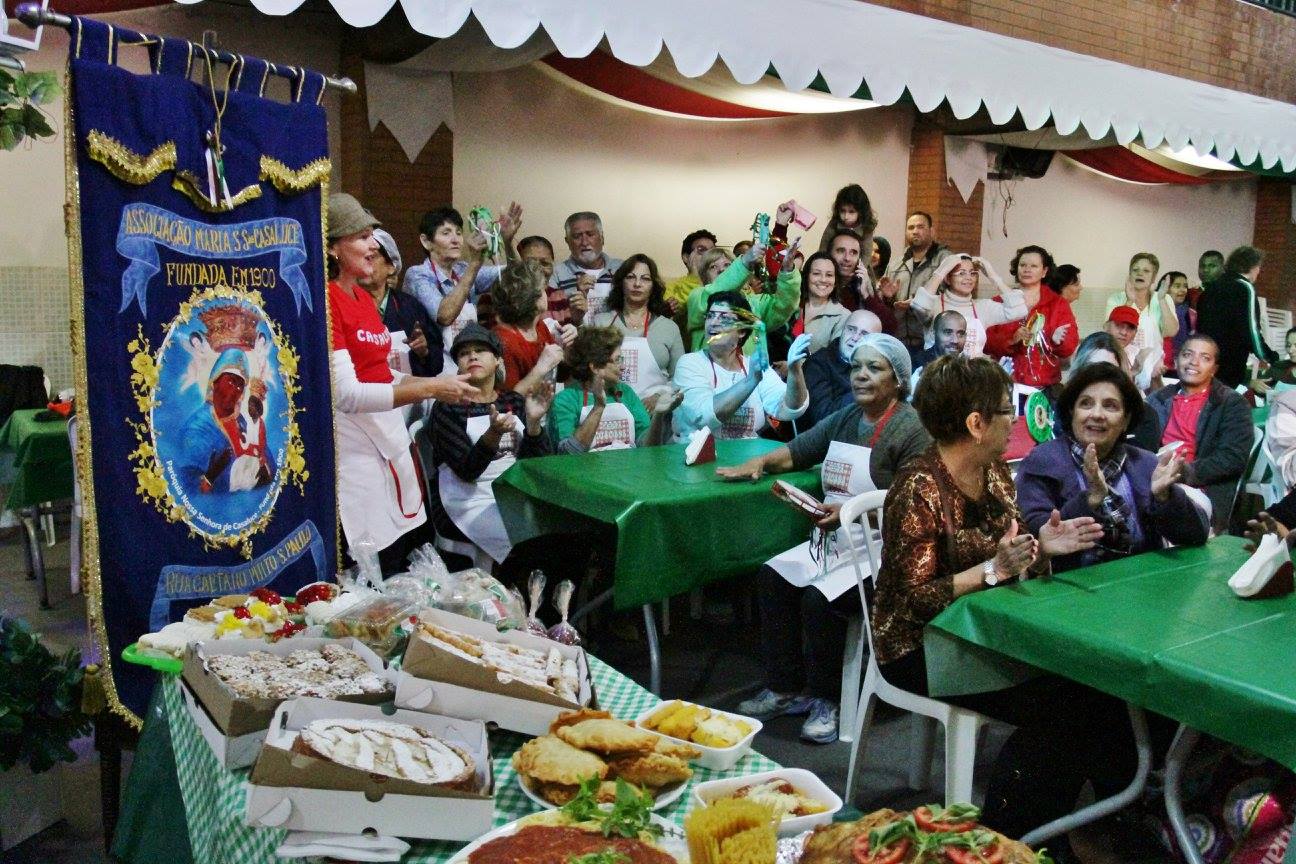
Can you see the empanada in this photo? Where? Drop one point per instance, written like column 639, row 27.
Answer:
column 651, row 769
column 557, row 793
column 549, row 760
column 678, row 749
column 571, row 718
column 607, row 736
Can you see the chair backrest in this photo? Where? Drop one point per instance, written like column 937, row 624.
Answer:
column 1254, row 464
column 855, row 513
column 421, row 448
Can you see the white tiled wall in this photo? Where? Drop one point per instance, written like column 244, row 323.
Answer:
column 34, row 328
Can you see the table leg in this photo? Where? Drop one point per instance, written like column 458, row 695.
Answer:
column 35, row 557
column 1177, row 756
column 654, row 650
column 1107, row 806
column 590, row 606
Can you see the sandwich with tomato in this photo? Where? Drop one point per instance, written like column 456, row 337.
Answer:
column 926, row 835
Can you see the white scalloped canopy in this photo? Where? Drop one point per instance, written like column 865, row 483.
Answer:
column 852, row 43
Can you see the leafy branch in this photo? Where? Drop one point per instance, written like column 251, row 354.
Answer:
column 21, row 116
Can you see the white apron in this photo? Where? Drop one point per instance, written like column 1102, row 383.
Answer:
column 976, row 331
column 379, row 491
column 471, row 505
column 616, row 429
column 845, row 474
column 467, row 315
column 639, row 369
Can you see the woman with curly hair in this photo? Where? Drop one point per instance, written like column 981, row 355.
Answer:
column 652, row 344
column 531, row 349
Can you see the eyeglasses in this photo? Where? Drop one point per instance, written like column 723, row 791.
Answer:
column 723, row 317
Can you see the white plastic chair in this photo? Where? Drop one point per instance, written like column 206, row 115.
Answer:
column 962, row 726
column 1264, row 480
column 422, row 450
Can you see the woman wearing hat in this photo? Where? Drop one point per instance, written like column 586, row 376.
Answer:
column 379, row 497
column 810, row 589
column 476, row 441
column 404, row 313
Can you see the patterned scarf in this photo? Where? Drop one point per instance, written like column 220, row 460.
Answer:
column 1115, row 514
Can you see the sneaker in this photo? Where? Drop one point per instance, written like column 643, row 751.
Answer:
column 766, row 705
column 821, row 726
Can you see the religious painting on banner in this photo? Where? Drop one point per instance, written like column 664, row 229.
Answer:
column 200, row 334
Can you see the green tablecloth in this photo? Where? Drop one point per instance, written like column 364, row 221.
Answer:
column 214, row 797
column 677, row 526
column 42, row 459
column 1260, row 415
column 1161, row 630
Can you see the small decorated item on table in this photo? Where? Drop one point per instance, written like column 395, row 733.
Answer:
column 563, row 632
column 481, row 219
column 701, row 447
column 1039, row 417
column 535, row 591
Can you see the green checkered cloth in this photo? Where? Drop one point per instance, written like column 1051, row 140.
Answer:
column 214, row 796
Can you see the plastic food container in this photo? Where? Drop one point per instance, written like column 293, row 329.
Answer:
column 804, row 782
column 382, row 623
column 715, row 758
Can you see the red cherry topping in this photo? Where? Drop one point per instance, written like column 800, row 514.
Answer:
column 242, row 612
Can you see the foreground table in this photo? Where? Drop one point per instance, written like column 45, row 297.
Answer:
column 42, row 473
column 213, row 796
column 678, row 526
column 1161, row 631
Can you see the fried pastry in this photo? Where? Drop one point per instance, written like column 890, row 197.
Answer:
column 550, row 760
column 650, row 769
column 607, row 736
column 557, row 793
column 571, row 718
column 678, row 749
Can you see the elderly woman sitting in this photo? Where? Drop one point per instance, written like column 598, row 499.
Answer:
column 1090, row 471
column 595, row 411
column 951, row 527
column 807, row 594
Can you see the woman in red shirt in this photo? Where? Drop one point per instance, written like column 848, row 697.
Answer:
column 533, row 344
column 1047, row 336
column 380, row 498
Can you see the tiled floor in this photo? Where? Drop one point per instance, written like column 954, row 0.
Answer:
column 703, row 662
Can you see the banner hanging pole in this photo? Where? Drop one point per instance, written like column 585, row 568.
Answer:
column 34, row 16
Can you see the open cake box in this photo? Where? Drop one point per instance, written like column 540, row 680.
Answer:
column 433, row 678
column 305, row 793
column 234, row 726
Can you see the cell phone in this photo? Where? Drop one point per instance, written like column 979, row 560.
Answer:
column 803, row 501
column 801, row 216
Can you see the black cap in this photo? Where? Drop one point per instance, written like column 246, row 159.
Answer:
column 476, row 333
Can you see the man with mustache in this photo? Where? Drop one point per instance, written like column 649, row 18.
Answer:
column 588, row 271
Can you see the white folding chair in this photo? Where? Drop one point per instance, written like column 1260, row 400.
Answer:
column 422, row 450
column 1264, row 480
column 962, row 726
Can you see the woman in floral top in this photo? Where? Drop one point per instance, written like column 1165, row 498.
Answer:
column 950, row 527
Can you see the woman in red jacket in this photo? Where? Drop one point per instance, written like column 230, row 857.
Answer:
column 1048, row 335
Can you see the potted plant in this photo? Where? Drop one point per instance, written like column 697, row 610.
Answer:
column 21, row 116
column 40, row 715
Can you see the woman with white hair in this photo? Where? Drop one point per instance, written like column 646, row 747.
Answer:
column 809, row 591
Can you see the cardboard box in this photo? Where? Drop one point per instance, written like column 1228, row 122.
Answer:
column 440, row 681
column 302, row 793
column 234, row 717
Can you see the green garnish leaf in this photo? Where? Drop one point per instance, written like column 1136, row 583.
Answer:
column 1041, row 857
column 584, row 807
column 607, row 856
column 631, row 813
column 954, row 812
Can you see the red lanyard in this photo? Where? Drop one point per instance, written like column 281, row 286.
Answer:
column 715, row 381
column 647, row 320
column 882, row 422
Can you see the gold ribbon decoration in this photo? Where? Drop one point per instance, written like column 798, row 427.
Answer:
column 291, row 182
column 127, row 165
column 188, row 184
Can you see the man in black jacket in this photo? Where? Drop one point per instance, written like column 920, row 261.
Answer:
column 1227, row 311
column 827, row 372
column 1212, row 424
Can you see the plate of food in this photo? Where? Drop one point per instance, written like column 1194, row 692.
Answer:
column 625, row 831
column 948, row 834
column 799, row 798
column 593, row 747
column 722, row 738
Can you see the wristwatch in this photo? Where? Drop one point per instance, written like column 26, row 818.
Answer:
column 990, row 575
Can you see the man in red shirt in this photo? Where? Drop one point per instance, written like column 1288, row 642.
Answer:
column 1210, row 423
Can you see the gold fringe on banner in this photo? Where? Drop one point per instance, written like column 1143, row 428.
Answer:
column 187, row 184
column 291, row 182
column 127, row 165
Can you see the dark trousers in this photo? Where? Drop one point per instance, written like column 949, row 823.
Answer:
column 1066, row 734
column 803, row 636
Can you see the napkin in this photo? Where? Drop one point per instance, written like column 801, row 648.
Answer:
column 353, row 847
column 1269, row 560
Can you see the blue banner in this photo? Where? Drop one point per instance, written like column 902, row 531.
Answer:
column 202, row 340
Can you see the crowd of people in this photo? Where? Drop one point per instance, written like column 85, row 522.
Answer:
column 905, row 375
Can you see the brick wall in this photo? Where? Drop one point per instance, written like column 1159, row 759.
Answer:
column 1276, row 235
column 958, row 225
column 376, row 170
column 1222, row 42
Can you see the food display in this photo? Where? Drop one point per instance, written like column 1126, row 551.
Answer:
column 389, row 749
column 263, row 614
column 588, row 745
column 689, row 722
column 380, row 622
column 781, row 796
column 546, row 670
column 330, row 671
column 733, row 831
column 927, row 835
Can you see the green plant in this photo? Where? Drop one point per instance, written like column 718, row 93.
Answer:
column 21, row 96
column 40, row 700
